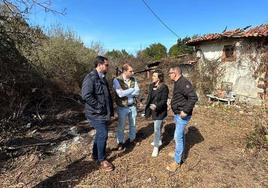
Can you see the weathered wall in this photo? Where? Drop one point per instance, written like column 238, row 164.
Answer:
column 238, row 71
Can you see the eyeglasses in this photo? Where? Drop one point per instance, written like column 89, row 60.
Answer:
column 171, row 72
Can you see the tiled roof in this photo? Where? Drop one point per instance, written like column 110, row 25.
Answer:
column 259, row 31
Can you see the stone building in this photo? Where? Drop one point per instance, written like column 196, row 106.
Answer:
column 243, row 55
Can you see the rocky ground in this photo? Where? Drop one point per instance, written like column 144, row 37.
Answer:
column 216, row 155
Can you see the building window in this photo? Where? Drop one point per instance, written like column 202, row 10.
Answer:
column 229, row 53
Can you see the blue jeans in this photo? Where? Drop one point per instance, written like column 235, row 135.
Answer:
column 99, row 146
column 179, row 136
column 157, row 132
column 123, row 113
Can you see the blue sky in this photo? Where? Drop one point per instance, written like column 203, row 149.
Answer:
column 129, row 25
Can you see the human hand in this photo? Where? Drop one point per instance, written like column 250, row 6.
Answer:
column 183, row 114
column 152, row 106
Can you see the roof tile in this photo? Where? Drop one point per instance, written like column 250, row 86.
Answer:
column 259, row 31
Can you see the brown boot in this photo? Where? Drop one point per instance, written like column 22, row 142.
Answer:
column 106, row 166
column 172, row 167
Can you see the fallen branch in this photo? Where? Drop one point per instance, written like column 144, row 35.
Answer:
column 72, row 99
column 196, row 164
column 29, row 145
column 37, row 113
column 70, row 180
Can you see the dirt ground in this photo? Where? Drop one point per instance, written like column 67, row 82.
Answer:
column 216, row 155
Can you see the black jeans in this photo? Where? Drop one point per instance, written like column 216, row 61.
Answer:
column 99, row 146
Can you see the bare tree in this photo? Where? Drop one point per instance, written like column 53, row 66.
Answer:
column 23, row 7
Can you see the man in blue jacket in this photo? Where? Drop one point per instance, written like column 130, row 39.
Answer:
column 98, row 108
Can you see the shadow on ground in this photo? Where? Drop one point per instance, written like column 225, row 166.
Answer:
column 141, row 134
column 71, row 176
column 192, row 137
column 168, row 134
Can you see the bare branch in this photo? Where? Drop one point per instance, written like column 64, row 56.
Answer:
column 8, row 5
column 47, row 9
column 15, row 9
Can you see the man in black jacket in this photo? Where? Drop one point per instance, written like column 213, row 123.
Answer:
column 182, row 104
column 98, row 108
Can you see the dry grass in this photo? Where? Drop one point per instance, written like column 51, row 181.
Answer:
column 216, row 156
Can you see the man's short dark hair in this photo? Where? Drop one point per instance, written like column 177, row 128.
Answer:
column 176, row 67
column 160, row 75
column 100, row 60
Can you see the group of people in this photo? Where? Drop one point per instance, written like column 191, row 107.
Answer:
column 99, row 108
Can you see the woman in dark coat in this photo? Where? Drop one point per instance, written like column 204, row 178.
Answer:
column 156, row 106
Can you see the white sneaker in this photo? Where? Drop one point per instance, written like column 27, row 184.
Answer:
column 160, row 143
column 155, row 152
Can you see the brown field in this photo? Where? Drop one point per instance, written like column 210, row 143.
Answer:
column 216, row 156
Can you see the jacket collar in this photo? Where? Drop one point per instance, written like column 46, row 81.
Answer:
column 98, row 75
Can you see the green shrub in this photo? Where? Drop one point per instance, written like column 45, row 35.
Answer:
column 65, row 58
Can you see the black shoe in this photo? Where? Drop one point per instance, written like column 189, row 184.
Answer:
column 128, row 143
column 120, row 147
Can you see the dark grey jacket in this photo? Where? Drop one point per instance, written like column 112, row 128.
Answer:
column 97, row 97
column 160, row 102
column 184, row 96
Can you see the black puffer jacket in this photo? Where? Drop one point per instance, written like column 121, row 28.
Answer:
column 160, row 101
column 184, row 97
column 97, row 97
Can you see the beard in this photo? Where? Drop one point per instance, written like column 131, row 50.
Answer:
column 155, row 82
column 104, row 72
